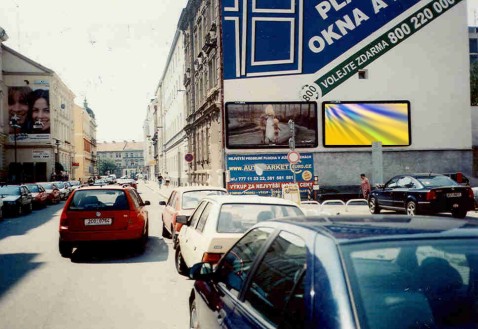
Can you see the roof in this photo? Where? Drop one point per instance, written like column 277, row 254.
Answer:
column 378, row 227
column 250, row 199
column 123, row 146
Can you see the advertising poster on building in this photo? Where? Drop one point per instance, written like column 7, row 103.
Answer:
column 28, row 114
column 264, row 174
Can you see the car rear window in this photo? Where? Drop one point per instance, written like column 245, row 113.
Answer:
column 417, row 284
column 238, row 217
column 99, row 199
column 191, row 199
column 436, row 181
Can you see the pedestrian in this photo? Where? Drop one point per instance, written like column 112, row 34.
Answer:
column 160, row 180
column 365, row 186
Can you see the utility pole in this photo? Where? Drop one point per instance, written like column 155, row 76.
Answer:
column 292, row 145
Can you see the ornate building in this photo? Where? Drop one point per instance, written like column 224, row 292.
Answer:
column 199, row 22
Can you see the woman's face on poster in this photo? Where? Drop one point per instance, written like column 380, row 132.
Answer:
column 18, row 109
column 41, row 113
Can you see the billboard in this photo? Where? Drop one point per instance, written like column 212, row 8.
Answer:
column 266, row 125
column 28, row 114
column 265, row 174
column 359, row 124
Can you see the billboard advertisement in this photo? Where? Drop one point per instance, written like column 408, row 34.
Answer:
column 359, row 124
column 266, row 125
column 265, row 174
column 28, row 114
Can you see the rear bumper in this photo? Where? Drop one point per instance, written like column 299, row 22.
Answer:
column 90, row 236
column 436, row 207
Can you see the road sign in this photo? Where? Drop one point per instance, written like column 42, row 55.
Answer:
column 189, row 157
column 293, row 157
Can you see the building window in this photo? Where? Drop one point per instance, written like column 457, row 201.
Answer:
column 473, row 45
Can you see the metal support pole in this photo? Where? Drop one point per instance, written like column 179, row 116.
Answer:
column 291, row 124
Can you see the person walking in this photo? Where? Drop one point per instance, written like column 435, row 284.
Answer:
column 160, row 180
column 365, row 186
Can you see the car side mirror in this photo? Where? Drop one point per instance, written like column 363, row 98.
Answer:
column 147, row 203
column 380, row 185
column 201, row 271
column 162, row 203
column 182, row 219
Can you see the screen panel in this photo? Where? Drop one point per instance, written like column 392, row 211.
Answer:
column 358, row 124
column 261, row 125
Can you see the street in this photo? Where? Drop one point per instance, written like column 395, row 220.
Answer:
column 99, row 288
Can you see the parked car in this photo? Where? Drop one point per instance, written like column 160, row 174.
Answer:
column 17, row 199
column 342, row 272
column 52, row 191
column 422, row 193
column 127, row 182
column 40, row 197
column 183, row 201
column 74, row 184
column 219, row 221
column 64, row 188
column 109, row 213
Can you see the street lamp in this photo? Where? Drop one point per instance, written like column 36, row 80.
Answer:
column 14, row 124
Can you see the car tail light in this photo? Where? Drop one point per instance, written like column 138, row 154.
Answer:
column 132, row 217
column 431, row 195
column 209, row 257
column 471, row 195
column 63, row 220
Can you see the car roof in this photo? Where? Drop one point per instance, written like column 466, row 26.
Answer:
column 104, row 187
column 420, row 174
column 182, row 189
column 251, row 199
column 345, row 229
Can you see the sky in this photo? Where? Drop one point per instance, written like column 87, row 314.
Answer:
column 112, row 52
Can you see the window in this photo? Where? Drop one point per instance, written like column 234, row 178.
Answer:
column 197, row 213
column 237, row 263
column 203, row 218
column 278, row 273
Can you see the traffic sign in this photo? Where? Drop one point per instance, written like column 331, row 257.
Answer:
column 189, row 157
column 293, row 157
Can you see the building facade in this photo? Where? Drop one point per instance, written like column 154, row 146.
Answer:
column 84, row 164
column 127, row 156
column 149, row 130
column 199, row 23
column 3, row 109
column 172, row 111
column 39, row 146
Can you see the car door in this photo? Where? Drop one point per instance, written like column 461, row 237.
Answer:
column 386, row 194
column 216, row 299
column 275, row 293
column 400, row 194
column 170, row 211
column 186, row 231
column 197, row 239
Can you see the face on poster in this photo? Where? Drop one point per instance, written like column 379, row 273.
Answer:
column 29, row 114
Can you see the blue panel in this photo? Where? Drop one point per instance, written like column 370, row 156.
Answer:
column 272, row 42
column 228, row 3
column 273, row 4
column 229, row 48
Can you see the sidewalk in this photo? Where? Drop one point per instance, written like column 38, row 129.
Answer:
column 154, row 186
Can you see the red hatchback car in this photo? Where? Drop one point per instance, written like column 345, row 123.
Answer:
column 103, row 213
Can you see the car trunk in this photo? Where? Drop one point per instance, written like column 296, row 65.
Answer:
column 451, row 197
column 98, row 220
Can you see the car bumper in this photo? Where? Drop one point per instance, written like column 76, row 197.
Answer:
column 436, row 207
column 78, row 237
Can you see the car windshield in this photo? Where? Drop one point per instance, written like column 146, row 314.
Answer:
column 74, row 183
column 191, row 199
column 419, row 284
column 239, row 217
column 48, row 186
column 33, row 188
column 99, row 199
column 9, row 190
column 436, row 181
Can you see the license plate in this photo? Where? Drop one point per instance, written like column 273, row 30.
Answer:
column 453, row 195
column 98, row 221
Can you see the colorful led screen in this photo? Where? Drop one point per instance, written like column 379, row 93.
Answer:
column 359, row 124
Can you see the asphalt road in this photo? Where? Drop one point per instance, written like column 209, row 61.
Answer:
column 102, row 287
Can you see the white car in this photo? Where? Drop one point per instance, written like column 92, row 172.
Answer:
column 219, row 221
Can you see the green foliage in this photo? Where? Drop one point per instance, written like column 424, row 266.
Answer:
column 106, row 165
column 474, row 83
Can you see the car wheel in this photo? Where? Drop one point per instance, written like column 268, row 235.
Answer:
column 459, row 213
column 373, row 206
column 65, row 249
column 165, row 233
column 193, row 316
column 411, row 208
column 180, row 265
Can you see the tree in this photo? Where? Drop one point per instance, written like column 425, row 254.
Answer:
column 474, row 83
column 106, row 165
